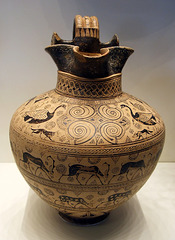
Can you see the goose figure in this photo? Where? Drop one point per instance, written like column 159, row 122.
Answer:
column 40, row 116
column 145, row 118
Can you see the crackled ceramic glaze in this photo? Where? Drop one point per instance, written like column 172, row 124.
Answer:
column 86, row 146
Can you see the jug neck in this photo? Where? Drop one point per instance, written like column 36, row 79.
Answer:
column 96, row 88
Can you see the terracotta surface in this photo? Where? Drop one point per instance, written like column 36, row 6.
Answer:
column 86, row 146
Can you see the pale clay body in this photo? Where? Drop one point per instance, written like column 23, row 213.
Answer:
column 85, row 151
column 86, row 147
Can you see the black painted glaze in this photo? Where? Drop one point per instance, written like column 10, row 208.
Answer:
column 76, row 56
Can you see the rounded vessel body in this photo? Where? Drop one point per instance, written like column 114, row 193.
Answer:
column 86, row 147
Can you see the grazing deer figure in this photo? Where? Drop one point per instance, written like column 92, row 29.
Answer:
column 38, row 163
column 114, row 197
column 127, row 166
column 72, row 200
column 77, row 169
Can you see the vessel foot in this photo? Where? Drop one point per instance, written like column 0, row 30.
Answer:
column 84, row 221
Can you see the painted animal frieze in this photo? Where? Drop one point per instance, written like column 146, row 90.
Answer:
column 86, row 146
column 103, row 124
column 100, row 148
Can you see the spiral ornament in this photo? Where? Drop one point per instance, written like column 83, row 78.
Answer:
column 81, row 112
column 81, row 131
column 111, row 132
column 111, row 113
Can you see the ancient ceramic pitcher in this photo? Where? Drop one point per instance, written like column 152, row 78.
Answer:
column 86, row 147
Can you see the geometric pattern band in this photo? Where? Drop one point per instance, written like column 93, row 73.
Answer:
column 76, row 86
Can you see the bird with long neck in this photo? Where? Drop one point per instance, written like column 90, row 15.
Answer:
column 40, row 116
column 145, row 118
